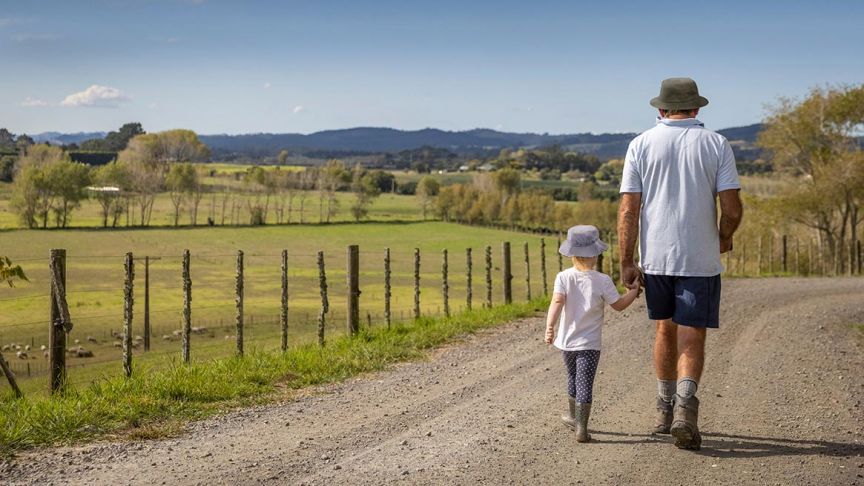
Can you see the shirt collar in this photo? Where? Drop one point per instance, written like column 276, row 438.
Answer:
column 687, row 122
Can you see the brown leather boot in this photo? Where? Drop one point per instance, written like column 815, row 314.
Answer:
column 685, row 426
column 664, row 417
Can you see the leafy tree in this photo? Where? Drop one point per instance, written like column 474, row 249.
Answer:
column 283, row 157
column 24, row 141
column 508, row 182
column 7, row 168
column 113, row 174
column 365, row 188
column 427, row 189
column 818, row 138
column 48, row 181
column 7, row 139
column 179, row 181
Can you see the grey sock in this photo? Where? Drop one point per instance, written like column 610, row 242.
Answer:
column 687, row 387
column 665, row 389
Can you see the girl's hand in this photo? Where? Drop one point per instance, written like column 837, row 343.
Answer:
column 550, row 335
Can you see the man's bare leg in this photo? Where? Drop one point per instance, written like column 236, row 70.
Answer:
column 665, row 364
column 691, row 358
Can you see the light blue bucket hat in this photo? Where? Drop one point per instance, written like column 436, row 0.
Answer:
column 583, row 241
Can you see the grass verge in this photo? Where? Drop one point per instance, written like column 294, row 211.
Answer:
column 153, row 404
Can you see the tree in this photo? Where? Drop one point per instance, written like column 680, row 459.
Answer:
column 7, row 168
column 818, row 138
column 330, row 179
column 69, row 180
column 365, row 190
column 48, row 181
column 23, row 141
column 7, row 139
column 427, row 189
column 180, row 181
column 111, row 175
column 283, row 157
column 508, row 182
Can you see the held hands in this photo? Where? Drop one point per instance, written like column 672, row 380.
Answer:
column 631, row 277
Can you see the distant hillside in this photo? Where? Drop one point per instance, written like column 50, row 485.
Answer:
column 57, row 138
column 477, row 141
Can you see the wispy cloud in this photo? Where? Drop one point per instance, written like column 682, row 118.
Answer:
column 267, row 85
column 97, row 96
column 32, row 37
column 299, row 109
column 33, row 103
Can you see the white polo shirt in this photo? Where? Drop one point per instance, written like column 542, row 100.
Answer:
column 585, row 297
column 679, row 166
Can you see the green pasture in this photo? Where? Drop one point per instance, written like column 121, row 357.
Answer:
column 95, row 283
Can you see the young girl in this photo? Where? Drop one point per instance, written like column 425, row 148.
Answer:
column 581, row 293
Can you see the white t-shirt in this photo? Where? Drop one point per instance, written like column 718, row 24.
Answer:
column 679, row 166
column 586, row 295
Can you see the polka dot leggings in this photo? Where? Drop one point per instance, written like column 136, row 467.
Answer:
column 581, row 368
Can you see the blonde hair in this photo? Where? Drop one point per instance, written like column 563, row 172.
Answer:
column 584, row 263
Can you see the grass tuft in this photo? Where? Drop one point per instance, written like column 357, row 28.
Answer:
column 153, row 404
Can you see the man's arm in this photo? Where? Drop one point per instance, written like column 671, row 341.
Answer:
column 628, row 231
column 731, row 212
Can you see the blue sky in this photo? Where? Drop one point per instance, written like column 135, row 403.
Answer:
column 219, row 66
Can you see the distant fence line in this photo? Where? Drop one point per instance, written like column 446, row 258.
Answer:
column 61, row 321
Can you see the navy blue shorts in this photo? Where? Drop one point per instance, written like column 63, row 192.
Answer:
column 688, row 301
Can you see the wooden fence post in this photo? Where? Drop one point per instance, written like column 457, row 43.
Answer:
column 445, row 287
column 785, row 255
column 759, row 258
column 797, row 257
column 147, row 331
column 416, row 283
column 238, row 290
column 60, row 323
column 353, row 321
column 771, row 255
column 187, row 307
column 744, row 258
column 527, row 272
column 387, row 293
column 128, row 303
column 810, row 257
column 507, row 274
column 469, row 292
column 325, row 302
column 543, row 267
column 560, row 260
column 283, row 317
column 10, row 376
column 488, row 276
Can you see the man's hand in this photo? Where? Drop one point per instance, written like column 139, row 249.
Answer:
column 725, row 245
column 631, row 277
column 550, row 335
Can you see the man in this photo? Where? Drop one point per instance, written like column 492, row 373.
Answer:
column 673, row 175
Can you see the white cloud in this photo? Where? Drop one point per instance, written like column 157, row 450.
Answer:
column 267, row 85
column 30, row 37
column 33, row 103
column 153, row 106
column 298, row 109
column 98, row 97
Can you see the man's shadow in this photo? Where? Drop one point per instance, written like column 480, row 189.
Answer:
column 745, row 446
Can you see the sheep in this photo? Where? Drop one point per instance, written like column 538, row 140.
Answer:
column 167, row 337
column 43, row 347
column 45, row 354
column 21, row 355
column 77, row 341
column 118, row 344
column 6, row 347
column 84, row 353
column 27, row 348
column 91, row 339
column 178, row 332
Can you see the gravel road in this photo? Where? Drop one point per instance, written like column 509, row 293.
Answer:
column 781, row 404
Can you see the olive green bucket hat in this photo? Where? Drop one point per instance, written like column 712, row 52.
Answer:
column 678, row 94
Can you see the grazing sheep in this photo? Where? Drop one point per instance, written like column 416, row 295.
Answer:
column 6, row 347
column 167, row 337
column 178, row 332
column 27, row 348
column 77, row 341
column 118, row 344
column 91, row 339
column 43, row 347
column 84, row 353
column 228, row 337
column 17, row 347
column 45, row 354
column 21, row 355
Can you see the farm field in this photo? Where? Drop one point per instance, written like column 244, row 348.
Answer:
column 95, row 280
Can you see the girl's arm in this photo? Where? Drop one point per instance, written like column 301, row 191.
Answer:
column 625, row 300
column 553, row 316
